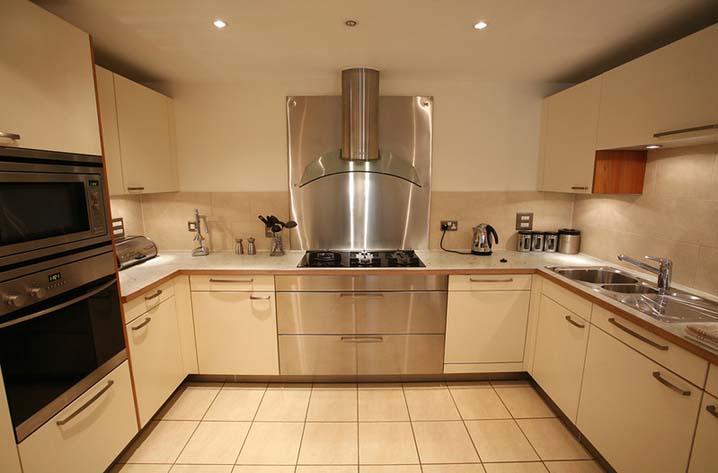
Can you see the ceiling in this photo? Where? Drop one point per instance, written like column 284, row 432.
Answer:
column 527, row 40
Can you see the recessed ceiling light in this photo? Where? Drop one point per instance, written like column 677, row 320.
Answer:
column 654, row 146
column 480, row 25
column 219, row 23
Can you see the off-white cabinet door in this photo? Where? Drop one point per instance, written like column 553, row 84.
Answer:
column 236, row 332
column 47, row 86
column 569, row 147
column 486, row 326
column 704, row 458
column 144, row 124
column 639, row 415
column 561, row 339
column 671, row 88
column 110, row 134
column 154, row 343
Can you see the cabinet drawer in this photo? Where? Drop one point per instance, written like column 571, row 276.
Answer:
column 316, row 355
column 490, row 282
column 89, row 441
column 226, row 283
column 404, row 282
column 703, row 456
column 673, row 357
column 147, row 301
column 361, row 312
column 639, row 415
column 573, row 302
column 153, row 341
column 712, row 384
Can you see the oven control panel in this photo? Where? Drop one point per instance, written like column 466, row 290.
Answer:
column 96, row 208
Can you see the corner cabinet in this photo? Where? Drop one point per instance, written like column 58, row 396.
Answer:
column 47, row 81
column 703, row 457
column 139, row 135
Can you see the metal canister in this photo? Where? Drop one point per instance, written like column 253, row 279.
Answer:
column 569, row 241
column 251, row 248
column 536, row 241
column 524, row 241
column 550, row 242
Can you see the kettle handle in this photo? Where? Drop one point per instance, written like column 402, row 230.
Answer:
column 492, row 231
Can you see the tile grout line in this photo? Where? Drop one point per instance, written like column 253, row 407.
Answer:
column 466, row 427
column 358, row 441
column 251, row 424
column 304, row 427
column 411, row 423
column 174, row 462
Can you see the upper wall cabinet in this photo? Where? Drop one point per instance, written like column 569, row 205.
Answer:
column 138, row 131
column 663, row 93
column 46, row 78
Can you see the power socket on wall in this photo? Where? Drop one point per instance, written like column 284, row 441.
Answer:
column 449, row 225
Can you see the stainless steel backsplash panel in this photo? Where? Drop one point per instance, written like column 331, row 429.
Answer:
column 355, row 211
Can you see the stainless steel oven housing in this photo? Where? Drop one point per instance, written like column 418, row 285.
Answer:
column 21, row 166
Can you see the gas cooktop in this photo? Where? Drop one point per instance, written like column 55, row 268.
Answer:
column 361, row 259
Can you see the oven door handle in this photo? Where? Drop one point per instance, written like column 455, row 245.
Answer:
column 62, row 305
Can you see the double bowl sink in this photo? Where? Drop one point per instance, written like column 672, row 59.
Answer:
column 671, row 306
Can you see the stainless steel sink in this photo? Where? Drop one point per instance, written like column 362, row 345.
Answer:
column 630, row 288
column 596, row 275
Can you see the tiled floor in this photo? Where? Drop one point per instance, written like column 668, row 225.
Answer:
column 487, row 427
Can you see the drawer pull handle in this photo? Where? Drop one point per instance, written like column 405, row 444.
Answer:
column 363, row 339
column 154, row 296
column 491, row 280
column 579, row 188
column 361, row 294
column 12, row 136
column 713, row 410
column 260, row 298
column 574, row 323
column 638, row 335
column 244, row 281
column 87, row 404
column 146, row 321
column 135, row 188
column 686, row 130
column 669, row 385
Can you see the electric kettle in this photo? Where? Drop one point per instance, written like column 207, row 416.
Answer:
column 482, row 244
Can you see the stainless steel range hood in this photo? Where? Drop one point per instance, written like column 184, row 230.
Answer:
column 360, row 135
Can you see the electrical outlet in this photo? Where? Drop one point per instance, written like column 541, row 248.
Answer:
column 524, row 221
column 449, row 225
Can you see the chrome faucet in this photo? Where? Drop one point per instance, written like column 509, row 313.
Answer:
column 202, row 249
column 663, row 271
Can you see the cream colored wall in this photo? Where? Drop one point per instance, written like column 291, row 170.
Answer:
column 677, row 216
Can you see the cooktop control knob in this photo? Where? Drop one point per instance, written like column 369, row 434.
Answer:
column 14, row 300
column 37, row 292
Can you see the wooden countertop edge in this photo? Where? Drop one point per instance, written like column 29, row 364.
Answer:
column 685, row 344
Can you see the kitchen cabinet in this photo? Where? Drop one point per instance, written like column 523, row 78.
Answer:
column 236, row 332
column 487, row 324
column 669, row 89
column 638, row 414
column 138, row 127
column 47, row 79
column 9, row 460
column 153, row 340
column 712, row 383
column 703, row 456
column 90, row 440
column 561, row 339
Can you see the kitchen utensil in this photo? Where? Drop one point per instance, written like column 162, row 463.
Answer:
column 569, row 241
column 524, row 241
column 482, row 244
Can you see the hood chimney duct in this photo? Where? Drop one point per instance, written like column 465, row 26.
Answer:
column 360, row 113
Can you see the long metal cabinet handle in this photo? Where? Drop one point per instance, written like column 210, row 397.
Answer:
column 59, row 306
column 361, row 294
column 573, row 322
column 87, row 404
column 12, row 136
column 712, row 126
column 135, row 188
column 363, row 339
column 638, row 335
column 713, row 410
column 579, row 188
column 247, row 281
column 491, row 280
column 154, row 296
column 669, row 385
column 146, row 321
column 260, row 298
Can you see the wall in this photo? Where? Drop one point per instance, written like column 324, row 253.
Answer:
column 677, row 216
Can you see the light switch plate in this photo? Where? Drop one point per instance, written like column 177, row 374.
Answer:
column 524, row 220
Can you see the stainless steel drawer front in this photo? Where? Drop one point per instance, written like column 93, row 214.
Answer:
column 362, row 283
column 361, row 312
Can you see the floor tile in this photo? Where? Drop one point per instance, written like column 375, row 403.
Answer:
column 285, row 403
column 160, row 442
column 583, row 466
column 139, row 468
column 201, row 469
column 478, row 401
column 382, row 403
column 263, row 469
column 327, row 469
column 500, row 441
column 190, row 402
column 271, row 443
column 389, row 469
column 236, row 403
column 215, row 443
column 444, row 442
column 532, row 467
column 466, row 468
column 430, row 402
column 329, row 444
column 552, row 440
column 333, row 404
column 386, row 443
column 522, row 400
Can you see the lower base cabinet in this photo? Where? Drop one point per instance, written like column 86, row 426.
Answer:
column 236, row 332
column 91, row 439
column 639, row 415
column 704, row 458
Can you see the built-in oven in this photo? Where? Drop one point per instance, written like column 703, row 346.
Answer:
column 61, row 331
column 51, row 203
